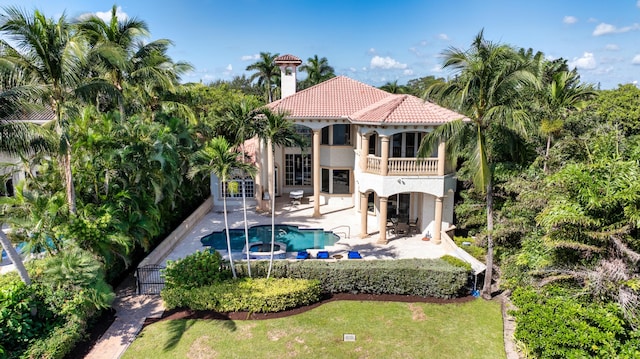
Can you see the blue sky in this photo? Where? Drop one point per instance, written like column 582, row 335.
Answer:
column 378, row 41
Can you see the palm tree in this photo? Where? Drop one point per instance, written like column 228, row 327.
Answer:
column 51, row 55
column 239, row 121
column 318, row 70
column 393, row 87
column 563, row 94
column 266, row 72
column 276, row 130
column 218, row 157
column 486, row 87
column 112, row 45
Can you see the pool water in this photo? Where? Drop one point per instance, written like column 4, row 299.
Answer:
column 296, row 239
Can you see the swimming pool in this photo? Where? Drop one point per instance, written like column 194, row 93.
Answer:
column 295, row 238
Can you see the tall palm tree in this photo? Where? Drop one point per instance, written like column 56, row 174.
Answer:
column 217, row 156
column 318, row 70
column 112, row 45
column 239, row 121
column 50, row 54
column 276, row 130
column 266, row 71
column 486, row 88
column 559, row 97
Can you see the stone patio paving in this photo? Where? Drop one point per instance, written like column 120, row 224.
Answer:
column 342, row 219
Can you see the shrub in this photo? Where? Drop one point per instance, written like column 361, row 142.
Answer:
column 246, row 294
column 421, row 277
column 196, row 270
column 60, row 341
column 560, row 326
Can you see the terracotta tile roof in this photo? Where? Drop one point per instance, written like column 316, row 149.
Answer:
column 342, row 97
column 287, row 59
column 405, row 109
column 337, row 97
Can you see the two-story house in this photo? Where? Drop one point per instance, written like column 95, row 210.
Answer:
column 364, row 143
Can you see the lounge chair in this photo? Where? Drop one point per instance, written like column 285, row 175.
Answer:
column 302, row 255
column 354, row 255
column 322, row 255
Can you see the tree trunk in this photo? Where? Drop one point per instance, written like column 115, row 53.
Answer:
column 244, row 214
column 546, row 154
column 246, row 228
column 15, row 257
column 486, row 288
column 226, row 227
column 68, row 180
column 272, row 192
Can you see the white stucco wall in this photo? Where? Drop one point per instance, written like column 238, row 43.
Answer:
column 337, row 156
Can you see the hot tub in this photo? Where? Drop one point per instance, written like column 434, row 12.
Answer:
column 262, row 250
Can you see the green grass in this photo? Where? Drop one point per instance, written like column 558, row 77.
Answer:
column 382, row 329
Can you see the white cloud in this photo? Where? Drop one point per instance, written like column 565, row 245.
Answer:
column 443, row 36
column 371, row 51
column 250, row 57
column 229, row 68
column 587, row 61
column 612, row 47
column 570, row 20
column 353, row 69
column 436, row 68
column 636, row 60
column 424, row 43
column 604, row 29
column 106, row 15
column 407, row 72
column 386, row 63
column 638, row 3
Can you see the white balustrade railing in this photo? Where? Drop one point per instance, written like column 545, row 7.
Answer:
column 404, row 166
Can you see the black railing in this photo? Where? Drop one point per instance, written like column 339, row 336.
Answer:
column 149, row 279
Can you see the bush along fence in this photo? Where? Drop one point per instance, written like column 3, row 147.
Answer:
column 202, row 281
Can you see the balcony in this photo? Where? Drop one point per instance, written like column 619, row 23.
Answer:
column 403, row 166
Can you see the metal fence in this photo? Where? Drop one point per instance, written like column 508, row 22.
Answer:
column 149, row 279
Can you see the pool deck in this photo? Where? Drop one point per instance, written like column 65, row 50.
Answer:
column 342, row 219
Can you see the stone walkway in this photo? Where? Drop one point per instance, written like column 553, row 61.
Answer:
column 131, row 312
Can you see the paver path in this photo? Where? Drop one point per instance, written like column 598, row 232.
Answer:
column 131, row 311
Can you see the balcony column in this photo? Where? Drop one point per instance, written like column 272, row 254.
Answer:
column 441, row 158
column 316, row 173
column 364, row 152
column 384, row 163
column 363, row 214
column 437, row 227
column 383, row 220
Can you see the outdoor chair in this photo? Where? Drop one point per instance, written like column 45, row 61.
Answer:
column 322, row 255
column 354, row 255
column 302, row 255
column 413, row 226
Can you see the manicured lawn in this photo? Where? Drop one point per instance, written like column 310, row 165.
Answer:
column 382, row 330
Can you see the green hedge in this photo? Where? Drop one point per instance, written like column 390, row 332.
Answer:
column 421, row 277
column 245, row 295
column 196, row 270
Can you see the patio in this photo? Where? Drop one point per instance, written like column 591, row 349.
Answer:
column 339, row 218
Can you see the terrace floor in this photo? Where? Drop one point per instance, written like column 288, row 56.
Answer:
column 341, row 219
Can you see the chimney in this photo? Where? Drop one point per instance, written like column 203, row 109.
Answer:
column 288, row 66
